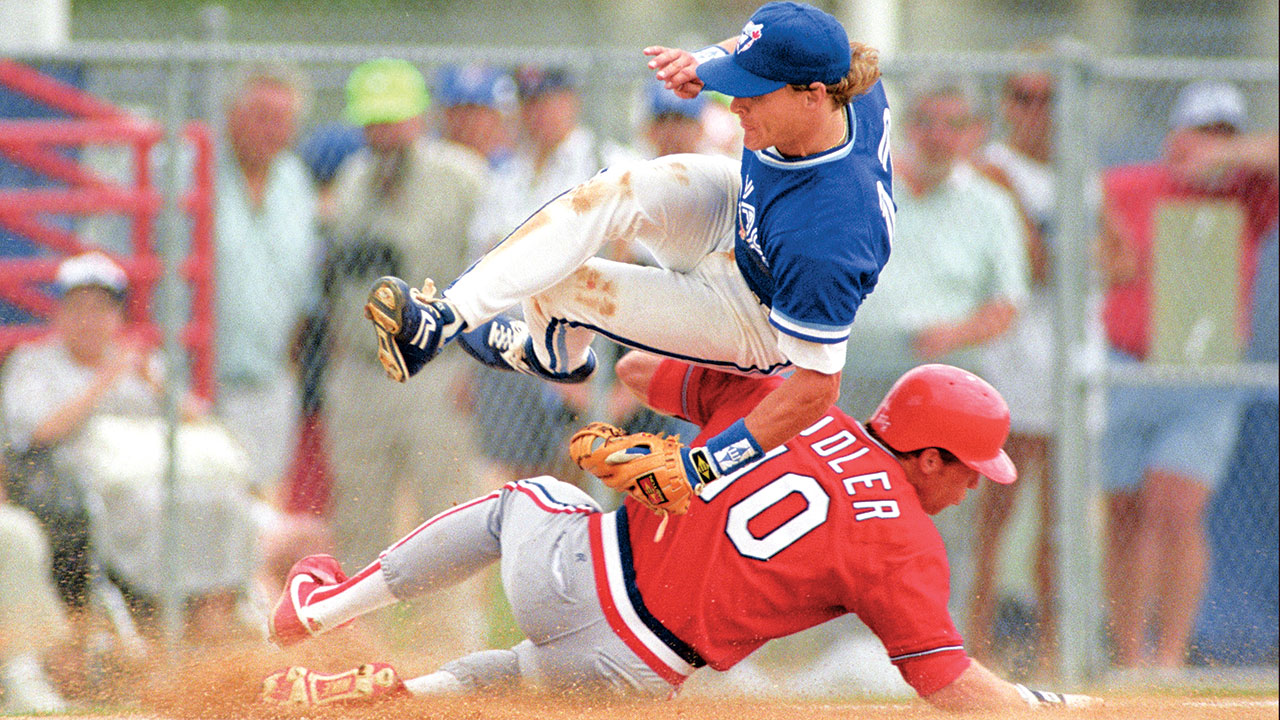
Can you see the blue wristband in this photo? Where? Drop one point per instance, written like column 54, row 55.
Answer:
column 697, row 467
column 733, row 448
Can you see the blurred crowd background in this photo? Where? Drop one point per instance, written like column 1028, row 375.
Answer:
column 194, row 200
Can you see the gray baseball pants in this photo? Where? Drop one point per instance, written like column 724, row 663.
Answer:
column 538, row 530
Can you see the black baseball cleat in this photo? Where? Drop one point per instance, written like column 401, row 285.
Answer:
column 411, row 326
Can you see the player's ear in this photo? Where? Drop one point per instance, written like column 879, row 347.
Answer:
column 930, row 461
column 817, row 95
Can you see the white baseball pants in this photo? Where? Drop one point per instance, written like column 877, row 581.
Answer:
column 694, row 306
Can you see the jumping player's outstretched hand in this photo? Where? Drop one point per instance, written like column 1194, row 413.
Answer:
column 677, row 69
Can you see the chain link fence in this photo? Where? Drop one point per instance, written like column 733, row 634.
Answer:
column 1107, row 111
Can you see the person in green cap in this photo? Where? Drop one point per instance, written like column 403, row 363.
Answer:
column 402, row 206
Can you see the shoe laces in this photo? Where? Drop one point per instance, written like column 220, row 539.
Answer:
column 505, row 335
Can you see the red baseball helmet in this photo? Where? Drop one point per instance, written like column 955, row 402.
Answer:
column 944, row 406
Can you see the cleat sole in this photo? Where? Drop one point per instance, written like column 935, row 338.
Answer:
column 384, row 307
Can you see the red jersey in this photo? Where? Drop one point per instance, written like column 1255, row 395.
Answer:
column 822, row 526
column 1135, row 193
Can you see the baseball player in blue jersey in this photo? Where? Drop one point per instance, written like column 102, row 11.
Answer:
column 811, row 203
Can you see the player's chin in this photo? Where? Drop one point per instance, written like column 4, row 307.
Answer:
column 936, row 506
column 753, row 140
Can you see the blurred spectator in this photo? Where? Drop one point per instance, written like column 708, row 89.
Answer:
column 1019, row 364
column 84, row 425
column 400, row 453
column 51, row 387
column 553, row 152
column 324, row 151
column 267, row 260
column 1180, row 241
column 526, row 436
column 474, row 102
column 672, row 124
column 32, row 621
column 958, row 273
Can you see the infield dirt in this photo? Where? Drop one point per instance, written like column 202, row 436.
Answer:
column 225, row 686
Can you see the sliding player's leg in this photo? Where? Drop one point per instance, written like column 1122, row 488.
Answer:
column 442, row 551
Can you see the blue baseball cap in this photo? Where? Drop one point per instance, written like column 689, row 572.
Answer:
column 532, row 82
column 327, row 147
column 474, row 85
column 664, row 102
column 784, row 43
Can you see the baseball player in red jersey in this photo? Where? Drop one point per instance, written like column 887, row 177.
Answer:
column 833, row 522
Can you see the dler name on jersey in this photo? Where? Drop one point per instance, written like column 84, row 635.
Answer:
column 839, row 448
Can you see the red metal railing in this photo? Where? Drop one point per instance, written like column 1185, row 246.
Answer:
column 39, row 145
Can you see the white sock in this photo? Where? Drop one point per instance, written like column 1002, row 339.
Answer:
column 440, row 682
column 362, row 593
column 26, row 688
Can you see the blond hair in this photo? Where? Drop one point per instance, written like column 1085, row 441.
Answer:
column 864, row 71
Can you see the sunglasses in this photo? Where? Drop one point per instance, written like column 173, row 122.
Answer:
column 1030, row 97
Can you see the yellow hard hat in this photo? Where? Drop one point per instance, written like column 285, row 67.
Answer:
column 385, row 90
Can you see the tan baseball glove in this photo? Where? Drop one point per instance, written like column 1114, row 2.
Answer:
column 645, row 466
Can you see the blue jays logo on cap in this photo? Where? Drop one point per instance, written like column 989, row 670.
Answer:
column 750, row 34
column 789, row 43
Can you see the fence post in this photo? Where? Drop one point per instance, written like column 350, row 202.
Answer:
column 1081, row 605
column 170, row 314
column 214, row 20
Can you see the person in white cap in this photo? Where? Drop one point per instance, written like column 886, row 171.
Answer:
column 87, row 365
column 1209, row 145
column 1167, row 447
column 93, row 377
column 52, row 386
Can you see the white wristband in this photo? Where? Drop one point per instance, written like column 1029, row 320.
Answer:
column 709, row 53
